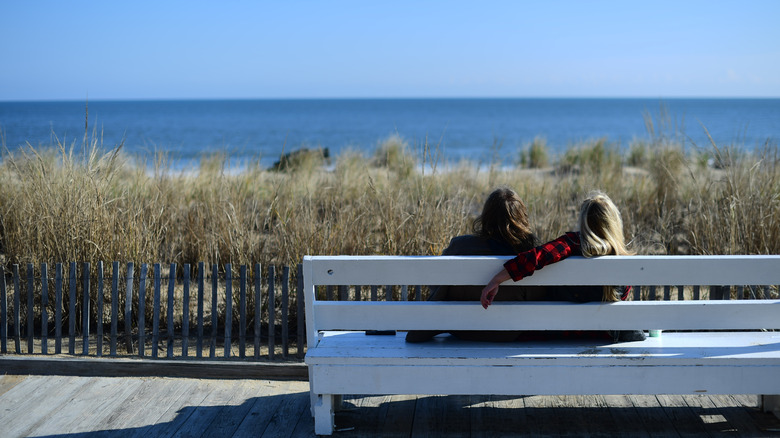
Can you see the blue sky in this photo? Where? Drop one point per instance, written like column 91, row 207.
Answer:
column 76, row 50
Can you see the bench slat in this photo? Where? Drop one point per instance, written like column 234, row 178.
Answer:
column 715, row 348
column 545, row 380
column 677, row 363
column 468, row 270
column 631, row 315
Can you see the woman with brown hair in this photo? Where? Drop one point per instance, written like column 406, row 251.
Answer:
column 502, row 228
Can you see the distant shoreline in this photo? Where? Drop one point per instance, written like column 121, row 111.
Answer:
column 476, row 129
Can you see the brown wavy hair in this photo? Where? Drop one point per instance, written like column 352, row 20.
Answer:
column 505, row 218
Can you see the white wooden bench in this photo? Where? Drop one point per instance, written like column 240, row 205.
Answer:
column 735, row 355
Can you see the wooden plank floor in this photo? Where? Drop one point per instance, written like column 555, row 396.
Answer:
column 68, row 406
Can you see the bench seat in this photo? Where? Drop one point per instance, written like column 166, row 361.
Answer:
column 676, row 363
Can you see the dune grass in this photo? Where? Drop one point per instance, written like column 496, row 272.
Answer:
column 66, row 203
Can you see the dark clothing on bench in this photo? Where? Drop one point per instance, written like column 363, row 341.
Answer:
column 475, row 245
column 522, row 266
column 554, row 251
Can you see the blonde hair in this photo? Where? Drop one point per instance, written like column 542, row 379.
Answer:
column 601, row 232
column 601, row 227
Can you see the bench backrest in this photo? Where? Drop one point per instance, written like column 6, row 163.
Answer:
column 477, row 270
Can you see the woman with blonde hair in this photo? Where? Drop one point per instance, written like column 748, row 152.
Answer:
column 600, row 233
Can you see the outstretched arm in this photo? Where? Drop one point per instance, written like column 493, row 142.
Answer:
column 529, row 261
column 489, row 292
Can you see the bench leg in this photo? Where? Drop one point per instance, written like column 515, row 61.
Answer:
column 771, row 403
column 322, row 408
column 338, row 402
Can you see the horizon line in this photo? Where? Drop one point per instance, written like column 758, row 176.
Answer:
column 180, row 99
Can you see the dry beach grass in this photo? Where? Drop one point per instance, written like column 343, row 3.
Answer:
column 62, row 204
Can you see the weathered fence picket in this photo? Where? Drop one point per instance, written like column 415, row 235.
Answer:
column 242, row 312
column 84, row 311
column 4, row 311
column 271, row 311
column 142, row 310
column 258, row 308
column 30, row 307
column 129, row 308
column 285, row 310
column 228, row 308
column 171, row 284
column 156, row 310
column 58, row 310
column 99, row 325
column 185, row 317
column 114, row 307
column 300, row 312
column 201, row 283
column 17, row 306
column 72, row 313
column 214, row 284
column 374, row 293
column 44, row 310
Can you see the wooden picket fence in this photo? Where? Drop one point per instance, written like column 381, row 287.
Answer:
column 207, row 314
column 122, row 312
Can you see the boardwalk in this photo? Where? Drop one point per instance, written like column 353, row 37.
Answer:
column 70, row 406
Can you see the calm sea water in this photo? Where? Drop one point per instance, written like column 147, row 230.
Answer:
column 476, row 129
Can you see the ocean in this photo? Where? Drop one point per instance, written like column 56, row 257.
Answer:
column 474, row 129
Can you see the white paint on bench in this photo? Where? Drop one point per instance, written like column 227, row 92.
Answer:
column 629, row 315
column 478, row 270
column 343, row 360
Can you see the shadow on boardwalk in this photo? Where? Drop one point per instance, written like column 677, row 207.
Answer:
column 68, row 406
column 271, row 416
column 553, row 416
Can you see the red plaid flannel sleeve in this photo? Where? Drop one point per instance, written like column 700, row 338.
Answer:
column 529, row 261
